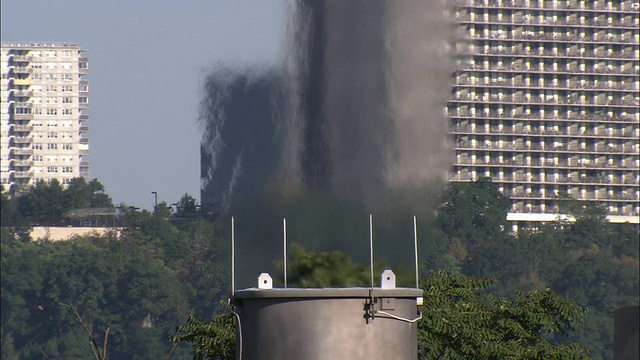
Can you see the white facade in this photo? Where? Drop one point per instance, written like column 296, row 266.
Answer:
column 43, row 120
column 546, row 103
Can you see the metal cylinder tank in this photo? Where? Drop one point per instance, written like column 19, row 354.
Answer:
column 327, row 323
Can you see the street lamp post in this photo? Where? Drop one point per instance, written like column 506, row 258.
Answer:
column 155, row 200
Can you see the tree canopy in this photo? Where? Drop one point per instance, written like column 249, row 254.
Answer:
column 161, row 274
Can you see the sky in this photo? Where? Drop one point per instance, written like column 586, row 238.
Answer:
column 147, row 63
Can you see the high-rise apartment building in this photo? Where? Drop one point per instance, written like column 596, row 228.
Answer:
column 44, row 99
column 546, row 103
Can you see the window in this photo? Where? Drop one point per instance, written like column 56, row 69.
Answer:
column 51, row 53
column 52, row 146
column 67, row 88
column 52, row 112
column 67, row 147
column 36, row 65
column 36, row 146
column 51, row 77
column 52, row 123
column 52, row 169
column 66, row 53
column 83, row 65
column 36, row 123
column 51, row 88
column 83, row 88
column 52, row 100
column 36, row 76
column 83, row 100
column 67, row 77
column 66, row 66
column 36, row 53
column 67, row 169
column 52, row 135
column 66, row 100
column 36, row 111
column 52, row 66
column 66, row 181
column 37, row 157
column 67, row 112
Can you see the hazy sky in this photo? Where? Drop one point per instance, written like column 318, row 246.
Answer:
column 147, row 60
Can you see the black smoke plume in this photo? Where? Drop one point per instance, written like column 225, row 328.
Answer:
column 350, row 123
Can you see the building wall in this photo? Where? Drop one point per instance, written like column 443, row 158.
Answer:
column 44, row 100
column 66, row 233
column 546, row 102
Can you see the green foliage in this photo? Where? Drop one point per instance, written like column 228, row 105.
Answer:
column 143, row 284
column 147, row 281
column 591, row 261
column 473, row 212
column 325, row 269
column 204, row 278
column 45, row 204
column 215, row 339
column 460, row 321
column 187, row 206
column 13, row 223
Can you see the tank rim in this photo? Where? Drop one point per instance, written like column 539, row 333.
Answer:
column 311, row 293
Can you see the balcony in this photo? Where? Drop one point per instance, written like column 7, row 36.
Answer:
column 84, row 163
column 83, row 152
column 21, row 93
column 21, row 70
column 22, row 116
column 22, row 163
column 21, row 82
column 84, row 117
column 84, row 129
column 20, row 58
column 22, row 140
column 84, row 141
column 23, row 174
column 22, row 104
column 22, row 151
column 22, row 128
column 83, row 105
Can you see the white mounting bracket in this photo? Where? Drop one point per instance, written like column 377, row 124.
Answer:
column 265, row 281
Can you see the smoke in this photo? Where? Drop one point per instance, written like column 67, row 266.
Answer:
column 242, row 138
column 351, row 123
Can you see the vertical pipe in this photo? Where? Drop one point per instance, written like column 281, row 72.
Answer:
column 415, row 248
column 284, row 229
column 233, row 257
column 371, row 252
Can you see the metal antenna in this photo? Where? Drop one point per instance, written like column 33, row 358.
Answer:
column 284, row 229
column 371, row 252
column 415, row 248
column 233, row 257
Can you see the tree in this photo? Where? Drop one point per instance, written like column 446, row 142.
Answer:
column 215, row 340
column 473, row 212
column 461, row 321
column 187, row 205
column 13, row 223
